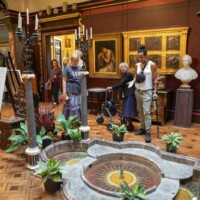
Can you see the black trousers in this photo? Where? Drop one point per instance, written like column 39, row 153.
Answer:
column 55, row 93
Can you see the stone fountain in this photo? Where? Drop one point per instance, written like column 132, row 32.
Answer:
column 96, row 168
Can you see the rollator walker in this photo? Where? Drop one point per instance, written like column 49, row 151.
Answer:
column 110, row 109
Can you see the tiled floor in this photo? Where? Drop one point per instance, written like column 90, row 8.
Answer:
column 16, row 182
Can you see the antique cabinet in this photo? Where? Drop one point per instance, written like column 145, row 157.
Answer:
column 163, row 105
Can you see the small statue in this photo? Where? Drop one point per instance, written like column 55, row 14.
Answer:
column 121, row 174
column 186, row 74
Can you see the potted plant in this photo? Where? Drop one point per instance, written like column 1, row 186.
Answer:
column 44, row 140
column 44, row 116
column 74, row 134
column 51, row 173
column 70, row 123
column 118, row 132
column 137, row 192
column 21, row 138
column 172, row 141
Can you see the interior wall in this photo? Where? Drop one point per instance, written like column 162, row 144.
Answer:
column 164, row 16
column 36, row 5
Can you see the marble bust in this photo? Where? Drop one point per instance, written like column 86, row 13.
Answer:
column 186, row 74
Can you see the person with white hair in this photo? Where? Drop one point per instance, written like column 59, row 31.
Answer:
column 186, row 74
column 80, row 54
column 128, row 95
column 72, row 88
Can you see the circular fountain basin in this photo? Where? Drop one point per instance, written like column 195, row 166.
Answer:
column 70, row 158
column 109, row 171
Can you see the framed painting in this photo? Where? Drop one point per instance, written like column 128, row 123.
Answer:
column 156, row 59
column 57, row 50
column 172, row 61
column 173, row 42
column 153, row 43
column 165, row 47
column 105, row 56
column 134, row 44
column 132, row 61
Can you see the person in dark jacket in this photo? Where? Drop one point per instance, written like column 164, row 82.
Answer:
column 128, row 95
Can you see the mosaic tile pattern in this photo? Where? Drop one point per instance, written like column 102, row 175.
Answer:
column 132, row 170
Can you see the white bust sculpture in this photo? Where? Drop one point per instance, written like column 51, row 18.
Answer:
column 186, row 74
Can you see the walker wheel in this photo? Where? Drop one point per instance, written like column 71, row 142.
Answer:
column 100, row 120
column 109, row 126
column 124, row 120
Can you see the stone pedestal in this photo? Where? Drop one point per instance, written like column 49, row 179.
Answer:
column 183, row 109
column 84, row 111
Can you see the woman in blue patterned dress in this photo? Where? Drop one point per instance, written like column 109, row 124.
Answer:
column 72, row 88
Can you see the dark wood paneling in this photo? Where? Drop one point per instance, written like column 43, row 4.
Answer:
column 171, row 15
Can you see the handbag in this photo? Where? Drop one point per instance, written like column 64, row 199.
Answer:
column 140, row 78
column 48, row 86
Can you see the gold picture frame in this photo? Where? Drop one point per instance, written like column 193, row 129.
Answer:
column 105, row 55
column 165, row 47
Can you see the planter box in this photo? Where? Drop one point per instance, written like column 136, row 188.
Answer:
column 118, row 138
column 174, row 150
column 51, row 186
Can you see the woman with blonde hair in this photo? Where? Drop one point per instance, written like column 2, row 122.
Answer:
column 72, row 88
